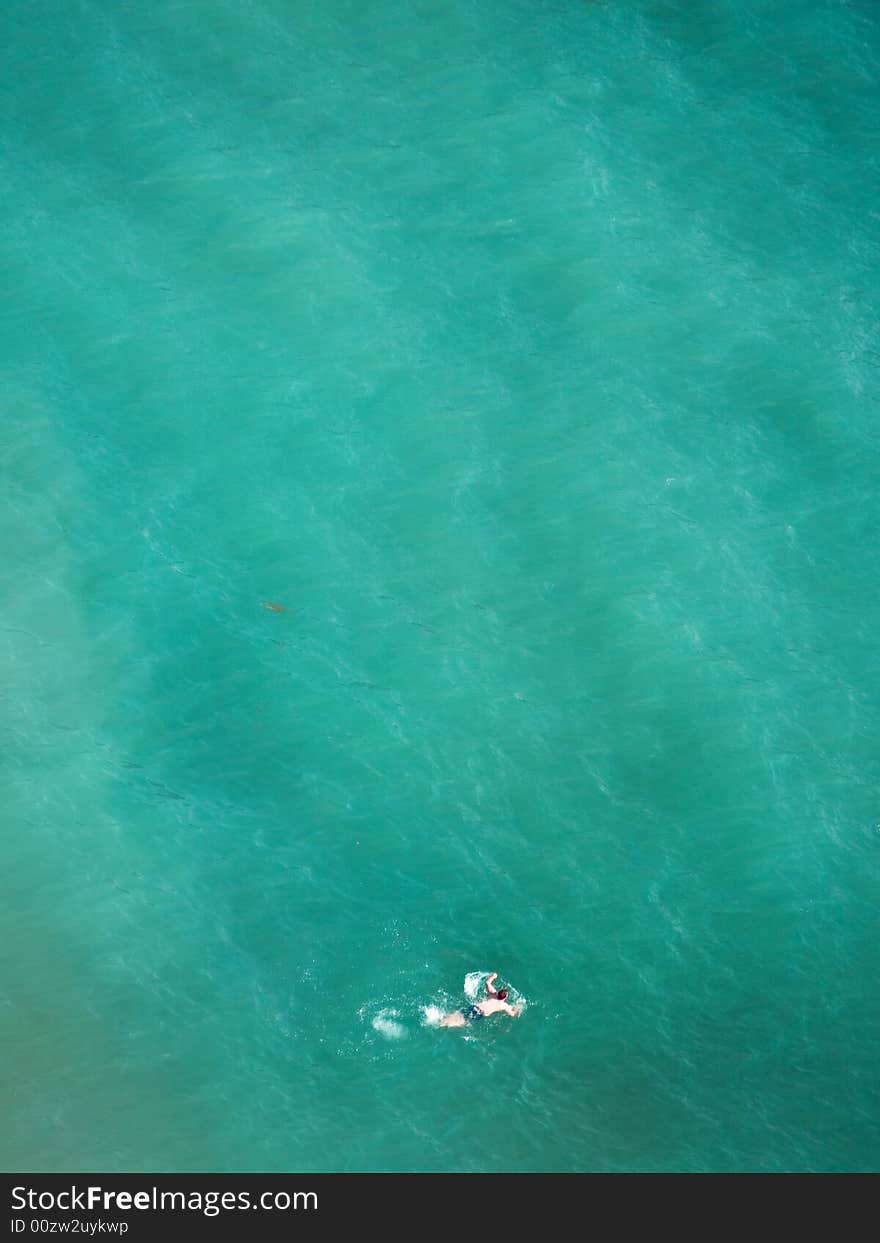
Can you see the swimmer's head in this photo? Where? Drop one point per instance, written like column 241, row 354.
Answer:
column 502, row 994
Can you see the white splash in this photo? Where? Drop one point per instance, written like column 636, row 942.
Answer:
column 433, row 1015
column 386, row 1025
column 473, row 984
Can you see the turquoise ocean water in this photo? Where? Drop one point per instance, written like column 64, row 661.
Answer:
column 527, row 354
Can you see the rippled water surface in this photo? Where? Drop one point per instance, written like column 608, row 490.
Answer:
column 439, row 524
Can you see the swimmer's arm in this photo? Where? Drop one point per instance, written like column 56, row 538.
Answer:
column 513, row 1011
column 489, row 982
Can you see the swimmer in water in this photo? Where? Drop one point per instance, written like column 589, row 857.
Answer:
column 496, row 1003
